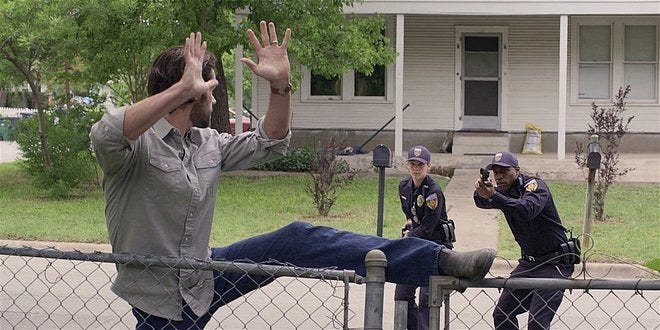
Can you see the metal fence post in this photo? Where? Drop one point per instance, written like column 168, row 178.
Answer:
column 593, row 163
column 400, row 315
column 440, row 288
column 375, row 262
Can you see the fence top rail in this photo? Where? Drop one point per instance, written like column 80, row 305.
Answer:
column 240, row 266
column 447, row 282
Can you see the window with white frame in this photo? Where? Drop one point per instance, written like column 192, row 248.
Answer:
column 595, row 62
column 370, row 85
column 615, row 52
column 351, row 86
column 321, row 86
column 640, row 61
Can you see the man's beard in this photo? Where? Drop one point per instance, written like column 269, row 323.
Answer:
column 199, row 117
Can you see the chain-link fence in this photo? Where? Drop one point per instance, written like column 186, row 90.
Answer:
column 50, row 288
column 587, row 303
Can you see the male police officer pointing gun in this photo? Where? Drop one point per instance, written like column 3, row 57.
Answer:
column 532, row 216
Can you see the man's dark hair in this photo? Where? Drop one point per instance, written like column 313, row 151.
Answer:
column 168, row 68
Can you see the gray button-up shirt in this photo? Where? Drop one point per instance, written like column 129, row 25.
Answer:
column 160, row 198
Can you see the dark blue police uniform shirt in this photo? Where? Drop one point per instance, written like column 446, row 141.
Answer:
column 426, row 207
column 531, row 214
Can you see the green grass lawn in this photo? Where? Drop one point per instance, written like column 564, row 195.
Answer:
column 630, row 234
column 248, row 205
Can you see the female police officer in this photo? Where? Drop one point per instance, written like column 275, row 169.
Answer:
column 424, row 206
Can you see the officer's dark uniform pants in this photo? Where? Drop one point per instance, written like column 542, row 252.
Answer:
column 541, row 304
column 418, row 316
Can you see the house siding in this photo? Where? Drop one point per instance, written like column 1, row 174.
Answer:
column 533, row 73
column 429, row 75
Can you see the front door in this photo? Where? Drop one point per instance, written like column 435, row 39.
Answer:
column 480, row 72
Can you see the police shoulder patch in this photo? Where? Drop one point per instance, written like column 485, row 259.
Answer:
column 531, row 186
column 432, row 201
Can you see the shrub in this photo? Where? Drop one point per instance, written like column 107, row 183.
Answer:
column 610, row 126
column 329, row 176
column 73, row 163
column 296, row 160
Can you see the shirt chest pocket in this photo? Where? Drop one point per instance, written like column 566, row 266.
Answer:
column 164, row 165
column 165, row 179
column 208, row 166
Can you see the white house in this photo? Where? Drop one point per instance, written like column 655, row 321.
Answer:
column 475, row 72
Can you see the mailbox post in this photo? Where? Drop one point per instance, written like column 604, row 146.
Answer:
column 382, row 158
column 593, row 163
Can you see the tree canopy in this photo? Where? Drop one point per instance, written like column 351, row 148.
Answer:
column 113, row 42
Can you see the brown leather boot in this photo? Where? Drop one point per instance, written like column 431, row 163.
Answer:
column 473, row 265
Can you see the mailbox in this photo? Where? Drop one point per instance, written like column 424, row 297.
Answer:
column 593, row 153
column 382, row 156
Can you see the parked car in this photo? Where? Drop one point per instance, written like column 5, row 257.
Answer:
column 247, row 121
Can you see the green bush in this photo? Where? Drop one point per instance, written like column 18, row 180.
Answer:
column 67, row 135
column 329, row 176
column 296, row 160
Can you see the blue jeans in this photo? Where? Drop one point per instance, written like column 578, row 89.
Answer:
column 410, row 261
column 541, row 304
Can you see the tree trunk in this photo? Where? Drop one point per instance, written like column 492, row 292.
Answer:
column 220, row 115
column 43, row 135
column 3, row 98
column 32, row 79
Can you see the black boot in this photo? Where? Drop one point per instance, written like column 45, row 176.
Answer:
column 473, row 265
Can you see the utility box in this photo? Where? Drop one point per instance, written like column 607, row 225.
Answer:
column 4, row 129
column 382, row 156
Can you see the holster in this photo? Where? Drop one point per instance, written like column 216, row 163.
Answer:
column 448, row 231
column 572, row 250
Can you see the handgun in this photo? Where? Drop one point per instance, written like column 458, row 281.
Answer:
column 484, row 174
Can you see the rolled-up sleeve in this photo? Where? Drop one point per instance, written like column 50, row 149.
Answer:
column 111, row 148
column 251, row 148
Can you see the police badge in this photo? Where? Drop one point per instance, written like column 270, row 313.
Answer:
column 420, row 200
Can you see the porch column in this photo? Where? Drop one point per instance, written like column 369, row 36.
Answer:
column 398, row 85
column 563, row 69
column 238, row 82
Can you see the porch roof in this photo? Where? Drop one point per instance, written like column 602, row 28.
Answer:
column 507, row 7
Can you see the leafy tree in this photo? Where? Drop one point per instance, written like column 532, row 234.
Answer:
column 32, row 35
column 611, row 126
column 113, row 42
column 324, row 39
column 121, row 38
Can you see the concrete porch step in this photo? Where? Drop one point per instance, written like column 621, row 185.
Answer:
column 479, row 143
